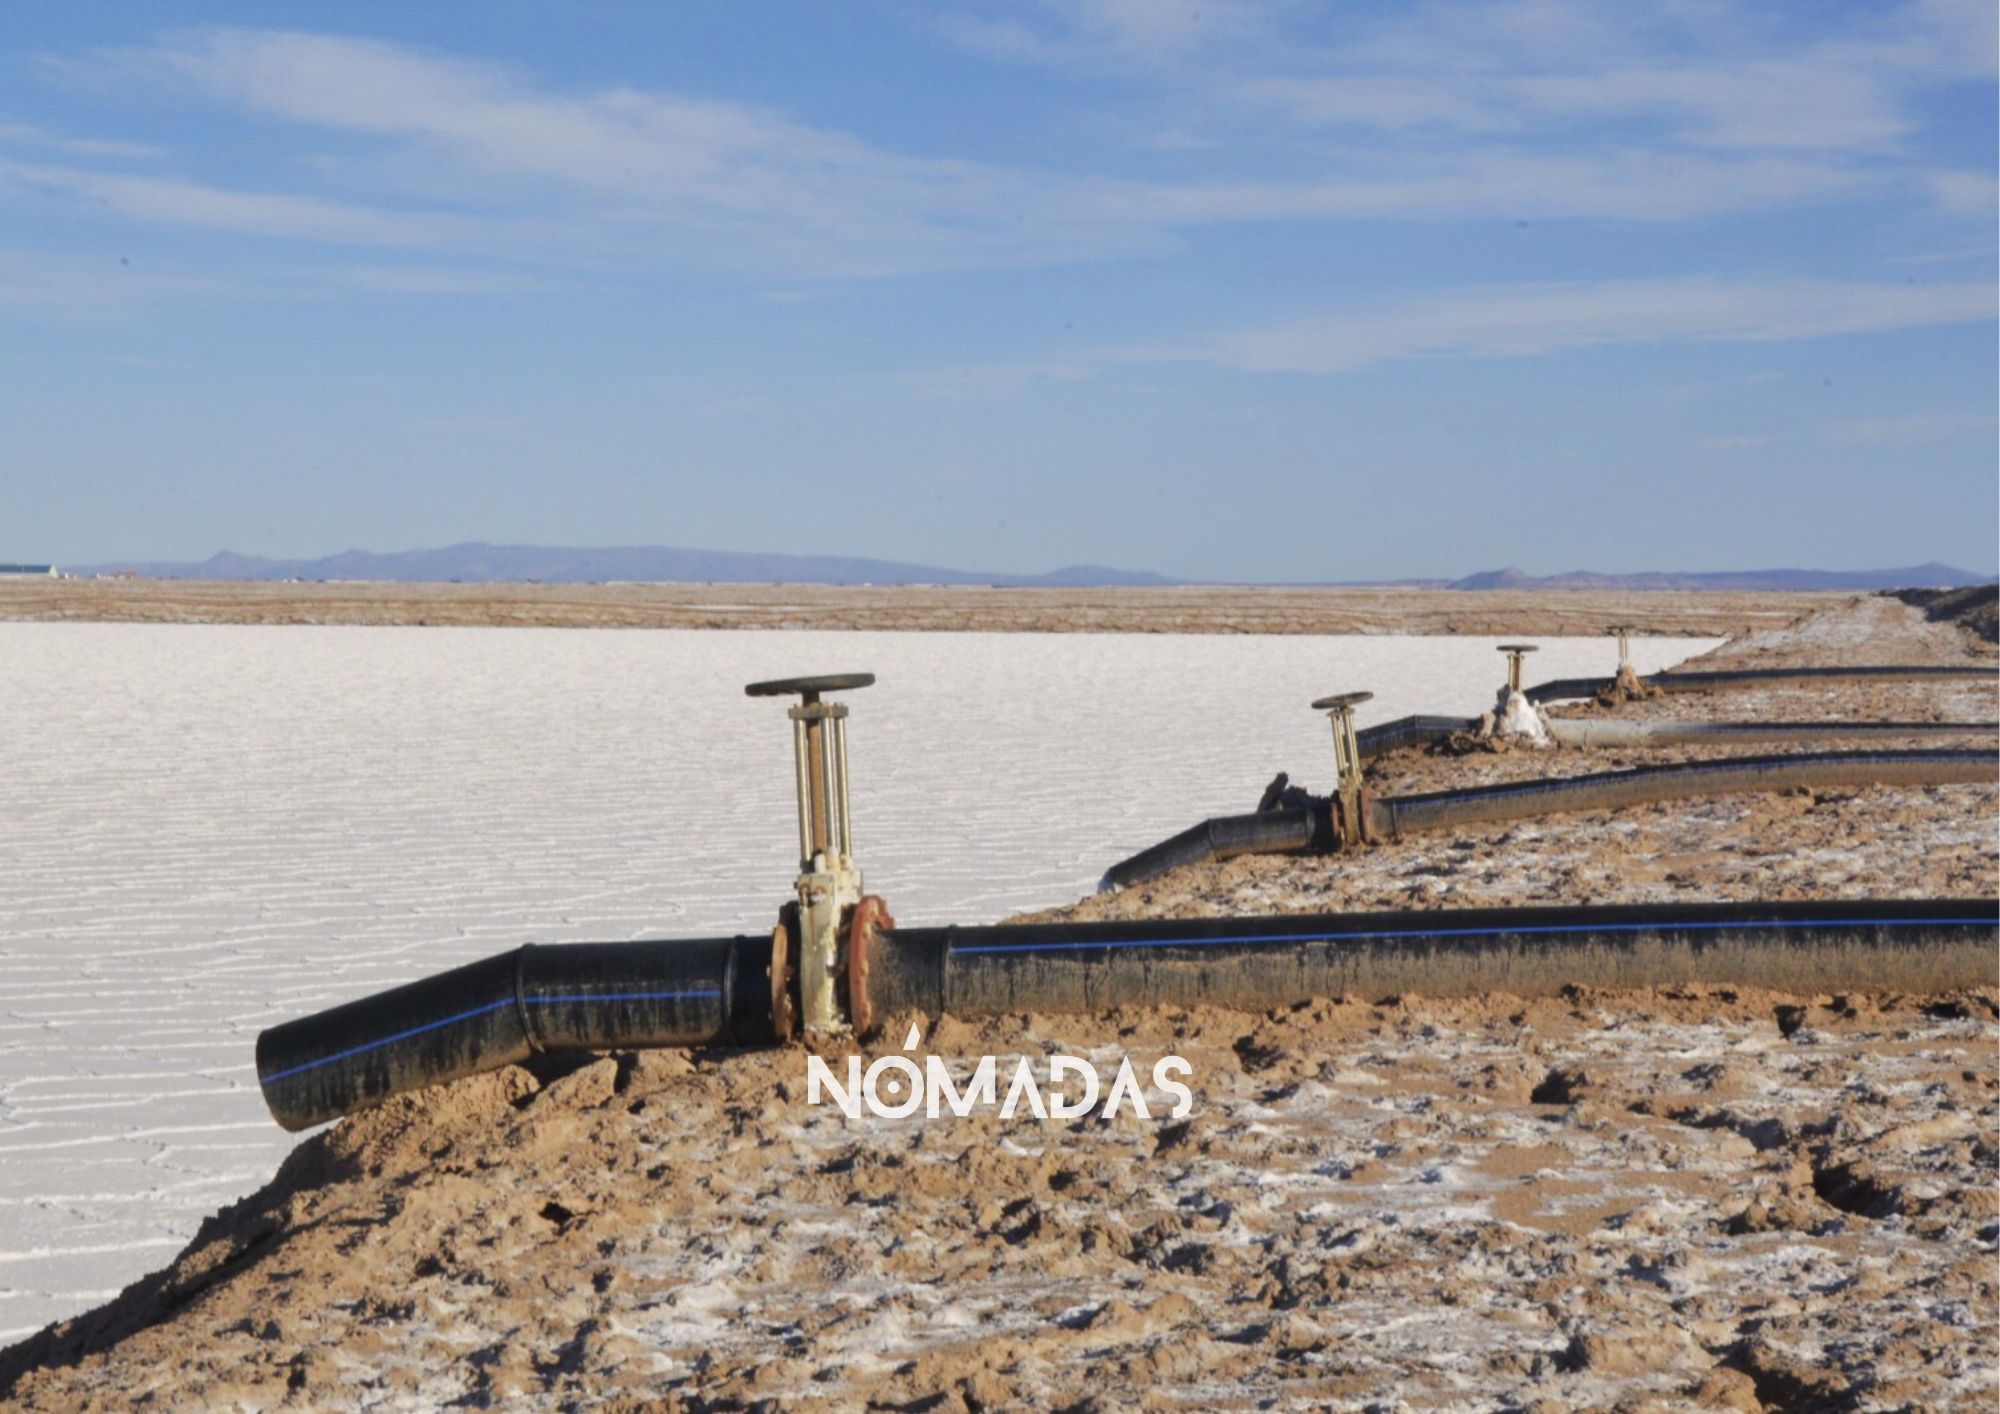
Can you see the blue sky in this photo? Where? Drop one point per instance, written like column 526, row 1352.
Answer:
column 1231, row 290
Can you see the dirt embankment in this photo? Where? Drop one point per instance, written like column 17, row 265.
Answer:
column 1688, row 1198
column 1834, row 843
column 1190, row 609
column 1683, row 1199
column 1977, row 607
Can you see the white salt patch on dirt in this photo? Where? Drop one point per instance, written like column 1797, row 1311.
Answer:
column 212, row 829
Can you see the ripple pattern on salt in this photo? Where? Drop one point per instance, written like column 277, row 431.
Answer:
column 209, row 829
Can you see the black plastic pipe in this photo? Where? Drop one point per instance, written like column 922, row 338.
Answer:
column 1565, row 689
column 1410, row 731
column 1604, row 731
column 1388, row 817
column 1259, row 963
column 504, row 1009
column 1224, row 837
column 604, row 996
column 1392, row 816
column 1617, row 731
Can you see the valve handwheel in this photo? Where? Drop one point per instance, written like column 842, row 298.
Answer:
column 812, row 687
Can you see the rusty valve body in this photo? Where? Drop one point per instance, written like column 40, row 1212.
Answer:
column 826, row 918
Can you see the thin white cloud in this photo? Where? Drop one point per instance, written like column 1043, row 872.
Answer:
column 181, row 203
column 427, row 280
column 998, row 379
column 621, row 139
column 1731, row 78
column 1706, row 389
column 1487, row 184
column 617, row 176
column 1910, row 429
column 68, row 286
column 738, row 182
column 1394, row 102
column 1906, row 429
column 1167, row 26
column 1744, row 441
column 718, row 171
column 1555, row 110
column 1812, row 104
column 1529, row 321
column 1969, row 194
column 30, row 135
column 1525, row 321
column 1983, row 254
column 1083, row 33
column 1841, row 99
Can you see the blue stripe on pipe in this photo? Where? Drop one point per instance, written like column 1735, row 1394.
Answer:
column 1524, row 930
column 367, row 1046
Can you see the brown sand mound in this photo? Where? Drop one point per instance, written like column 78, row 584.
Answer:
column 1176, row 609
column 1866, row 628
column 1977, row 609
column 1672, row 1198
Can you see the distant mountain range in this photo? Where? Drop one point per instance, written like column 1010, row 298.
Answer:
column 478, row 564
column 1931, row 576
column 645, row 564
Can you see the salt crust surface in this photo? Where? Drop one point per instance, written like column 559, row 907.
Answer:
column 209, row 829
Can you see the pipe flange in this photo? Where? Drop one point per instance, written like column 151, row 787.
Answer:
column 521, row 1008
column 863, row 919
column 784, row 1018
